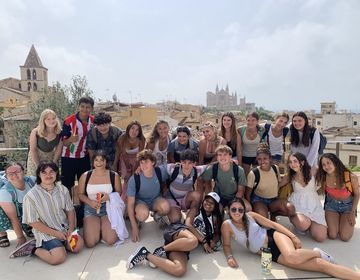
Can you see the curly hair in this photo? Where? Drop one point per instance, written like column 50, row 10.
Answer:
column 263, row 148
column 305, row 167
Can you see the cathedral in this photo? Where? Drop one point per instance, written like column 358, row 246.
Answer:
column 221, row 99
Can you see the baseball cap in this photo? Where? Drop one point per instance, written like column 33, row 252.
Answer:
column 214, row 196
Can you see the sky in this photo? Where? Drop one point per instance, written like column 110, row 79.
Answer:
column 280, row 54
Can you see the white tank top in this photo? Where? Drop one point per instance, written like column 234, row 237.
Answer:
column 93, row 189
column 161, row 156
column 250, row 146
column 275, row 143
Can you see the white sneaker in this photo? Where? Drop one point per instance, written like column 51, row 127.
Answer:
column 325, row 256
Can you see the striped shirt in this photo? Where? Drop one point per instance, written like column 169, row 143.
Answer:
column 48, row 208
column 182, row 185
column 73, row 125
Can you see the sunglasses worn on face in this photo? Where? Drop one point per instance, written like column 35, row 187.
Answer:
column 234, row 210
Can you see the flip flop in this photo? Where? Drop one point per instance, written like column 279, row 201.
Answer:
column 4, row 241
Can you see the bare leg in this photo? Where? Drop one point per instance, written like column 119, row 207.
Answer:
column 54, row 256
column 333, row 221
column 175, row 265
column 318, row 232
column 261, row 209
column 281, row 207
column 108, row 234
column 162, row 207
column 300, row 221
column 91, row 231
column 346, row 230
column 192, row 202
column 246, row 168
column 141, row 212
column 184, row 241
column 309, row 260
column 174, row 215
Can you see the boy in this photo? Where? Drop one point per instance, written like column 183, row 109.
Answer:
column 230, row 180
column 103, row 136
column 182, row 142
column 144, row 193
column 75, row 159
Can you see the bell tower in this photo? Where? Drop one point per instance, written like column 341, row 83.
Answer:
column 33, row 74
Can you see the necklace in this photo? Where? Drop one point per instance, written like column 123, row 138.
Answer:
column 47, row 189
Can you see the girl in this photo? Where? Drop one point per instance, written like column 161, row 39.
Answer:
column 208, row 143
column 342, row 196
column 254, row 232
column 309, row 212
column 250, row 137
column 96, row 222
column 159, row 141
column 11, row 200
column 274, row 136
column 262, row 190
column 206, row 225
column 129, row 145
column 44, row 142
column 229, row 133
column 304, row 138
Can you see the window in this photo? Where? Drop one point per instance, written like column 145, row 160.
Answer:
column 318, row 123
column 2, row 138
column 216, row 120
column 28, row 73
column 34, row 74
column 353, row 160
column 29, row 86
column 20, row 86
column 35, row 87
column 355, row 122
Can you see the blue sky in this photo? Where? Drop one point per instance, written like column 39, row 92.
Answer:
column 280, row 54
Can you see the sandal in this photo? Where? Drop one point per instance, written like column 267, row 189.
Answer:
column 4, row 241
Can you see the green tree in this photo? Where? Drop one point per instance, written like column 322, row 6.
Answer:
column 78, row 88
column 264, row 114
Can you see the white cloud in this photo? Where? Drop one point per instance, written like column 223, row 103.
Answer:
column 60, row 9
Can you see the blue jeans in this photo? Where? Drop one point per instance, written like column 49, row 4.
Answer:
column 338, row 206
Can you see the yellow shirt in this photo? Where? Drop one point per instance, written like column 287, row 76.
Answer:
column 268, row 185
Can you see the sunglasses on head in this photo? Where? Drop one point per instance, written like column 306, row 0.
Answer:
column 234, row 210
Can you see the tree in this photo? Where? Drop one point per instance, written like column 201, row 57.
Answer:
column 264, row 114
column 78, row 88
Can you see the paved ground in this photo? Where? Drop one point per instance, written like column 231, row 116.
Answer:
column 105, row 262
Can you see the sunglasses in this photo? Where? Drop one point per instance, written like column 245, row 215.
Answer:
column 234, row 210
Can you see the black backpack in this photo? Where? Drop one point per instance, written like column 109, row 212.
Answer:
column 112, row 179
column 235, row 168
column 323, row 141
column 174, row 175
column 266, row 134
column 256, row 172
column 138, row 181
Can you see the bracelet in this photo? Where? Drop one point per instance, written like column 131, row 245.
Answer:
column 229, row 257
column 204, row 241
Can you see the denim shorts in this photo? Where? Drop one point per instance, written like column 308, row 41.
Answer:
column 266, row 201
column 89, row 211
column 52, row 244
column 150, row 205
column 338, row 206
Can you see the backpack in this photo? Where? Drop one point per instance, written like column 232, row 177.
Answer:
column 323, row 141
column 243, row 131
column 348, row 184
column 266, row 134
column 138, row 181
column 112, row 179
column 256, row 172
column 3, row 179
column 174, row 175
column 235, row 168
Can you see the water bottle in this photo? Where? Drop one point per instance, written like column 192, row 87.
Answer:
column 266, row 261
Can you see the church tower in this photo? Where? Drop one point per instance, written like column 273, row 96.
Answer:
column 33, row 74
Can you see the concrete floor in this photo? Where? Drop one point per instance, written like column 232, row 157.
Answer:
column 103, row 262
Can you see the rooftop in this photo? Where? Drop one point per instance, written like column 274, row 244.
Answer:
column 103, row 262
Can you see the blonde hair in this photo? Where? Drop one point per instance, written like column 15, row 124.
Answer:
column 211, row 125
column 41, row 128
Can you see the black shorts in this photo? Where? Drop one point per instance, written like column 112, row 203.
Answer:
column 272, row 245
column 172, row 230
column 249, row 160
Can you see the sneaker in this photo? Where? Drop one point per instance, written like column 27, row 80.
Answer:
column 139, row 256
column 24, row 250
column 325, row 256
column 159, row 252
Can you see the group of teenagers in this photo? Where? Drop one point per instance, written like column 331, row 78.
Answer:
column 201, row 193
